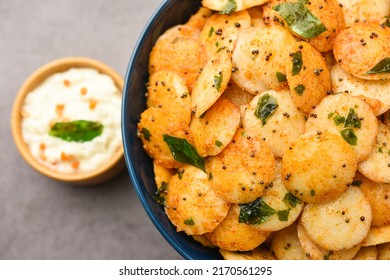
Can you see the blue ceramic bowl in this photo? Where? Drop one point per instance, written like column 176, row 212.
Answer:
column 140, row 166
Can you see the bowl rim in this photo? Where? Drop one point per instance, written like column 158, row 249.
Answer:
column 127, row 153
column 34, row 80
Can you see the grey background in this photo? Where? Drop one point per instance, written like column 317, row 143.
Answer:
column 39, row 217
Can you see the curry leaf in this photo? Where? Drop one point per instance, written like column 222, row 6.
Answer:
column 353, row 119
column 184, row 152
column 265, row 108
column 349, row 136
column 297, row 63
column 300, row 20
column 255, row 212
column 383, row 66
column 76, row 131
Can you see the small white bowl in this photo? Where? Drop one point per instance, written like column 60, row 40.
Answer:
column 101, row 174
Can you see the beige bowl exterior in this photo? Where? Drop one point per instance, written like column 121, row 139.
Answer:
column 103, row 173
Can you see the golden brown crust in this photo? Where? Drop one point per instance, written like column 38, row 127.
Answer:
column 361, row 47
column 178, row 50
column 378, row 195
column 232, row 235
column 314, row 76
column 216, row 128
column 259, row 55
column 243, row 169
column 339, row 224
column 192, row 205
column 151, row 128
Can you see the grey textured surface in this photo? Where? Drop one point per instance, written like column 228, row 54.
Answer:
column 39, row 217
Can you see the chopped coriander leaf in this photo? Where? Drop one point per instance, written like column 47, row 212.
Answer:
column 339, row 120
column 297, row 63
column 312, row 192
column 218, row 143
column 146, row 133
column 349, row 136
column 184, row 152
column 383, row 66
column 380, row 150
column 283, row 215
column 218, row 82
column 189, row 222
column 290, row 200
column 281, row 77
column 211, row 31
column 265, row 108
column 300, row 20
column 229, row 7
column 353, row 119
column 300, row 89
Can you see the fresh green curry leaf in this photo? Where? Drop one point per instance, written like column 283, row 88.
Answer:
column 297, row 63
column 300, row 20
column 353, row 119
column 76, row 131
column 349, row 136
column 383, row 66
column 255, row 212
column 265, row 108
column 184, row 152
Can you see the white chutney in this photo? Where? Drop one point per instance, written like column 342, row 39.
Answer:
column 77, row 94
